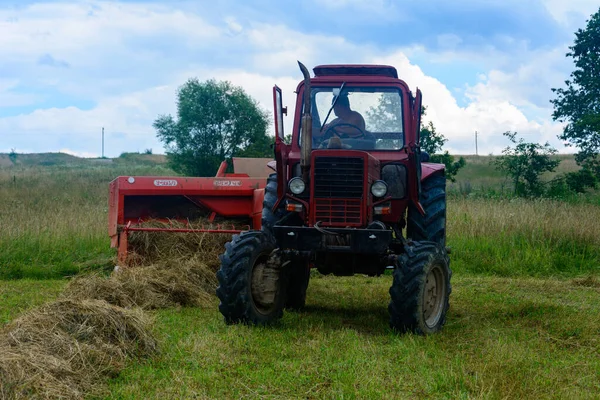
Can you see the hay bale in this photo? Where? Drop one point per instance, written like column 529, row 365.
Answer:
column 158, row 286
column 64, row 349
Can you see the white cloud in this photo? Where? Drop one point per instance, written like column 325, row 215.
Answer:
column 96, row 36
column 570, row 12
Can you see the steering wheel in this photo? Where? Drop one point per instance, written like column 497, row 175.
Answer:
column 332, row 130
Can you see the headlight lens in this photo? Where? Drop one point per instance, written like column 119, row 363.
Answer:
column 379, row 189
column 296, row 185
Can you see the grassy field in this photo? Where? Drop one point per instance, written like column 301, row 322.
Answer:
column 54, row 214
column 523, row 321
column 505, row 338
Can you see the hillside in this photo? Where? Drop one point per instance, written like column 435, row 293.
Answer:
column 63, row 159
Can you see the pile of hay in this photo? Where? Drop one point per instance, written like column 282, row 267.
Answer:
column 67, row 348
column 177, row 283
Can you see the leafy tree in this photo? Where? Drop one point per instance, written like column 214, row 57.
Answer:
column 525, row 163
column 215, row 121
column 432, row 142
column 579, row 104
column 12, row 156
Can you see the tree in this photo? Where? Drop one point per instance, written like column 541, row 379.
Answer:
column 432, row 142
column 12, row 156
column 215, row 121
column 525, row 163
column 579, row 104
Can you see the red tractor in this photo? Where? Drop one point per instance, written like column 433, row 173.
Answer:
column 352, row 194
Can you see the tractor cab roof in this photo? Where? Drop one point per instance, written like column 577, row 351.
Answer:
column 355, row 70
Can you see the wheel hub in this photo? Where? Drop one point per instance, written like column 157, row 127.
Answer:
column 265, row 284
column 433, row 296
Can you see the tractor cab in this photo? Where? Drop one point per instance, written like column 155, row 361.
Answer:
column 354, row 149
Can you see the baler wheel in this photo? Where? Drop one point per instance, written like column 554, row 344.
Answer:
column 421, row 289
column 251, row 288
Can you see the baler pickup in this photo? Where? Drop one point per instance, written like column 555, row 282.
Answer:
column 227, row 203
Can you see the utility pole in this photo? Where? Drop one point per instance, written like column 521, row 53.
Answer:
column 102, row 142
column 476, row 150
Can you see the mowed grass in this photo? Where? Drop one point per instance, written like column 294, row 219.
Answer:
column 505, row 338
column 18, row 296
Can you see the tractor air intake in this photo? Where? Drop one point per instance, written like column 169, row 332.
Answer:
column 338, row 191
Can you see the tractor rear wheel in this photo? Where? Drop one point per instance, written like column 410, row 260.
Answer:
column 269, row 218
column 431, row 226
column 250, row 279
column 421, row 289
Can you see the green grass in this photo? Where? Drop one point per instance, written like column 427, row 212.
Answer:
column 480, row 178
column 505, row 338
column 54, row 221
column 523, row 321
column 18, row 296
column 54, row 218
column 518, row 237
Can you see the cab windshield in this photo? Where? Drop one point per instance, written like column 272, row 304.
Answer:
column 362, row 118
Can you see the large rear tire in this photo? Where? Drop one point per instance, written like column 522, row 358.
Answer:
column 269, row 218
column 250, row 279
column 431, row 226
column 420, row 292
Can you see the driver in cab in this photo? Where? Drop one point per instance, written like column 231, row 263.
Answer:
column 349, row 124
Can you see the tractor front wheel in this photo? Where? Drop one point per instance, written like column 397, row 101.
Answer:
column 421, row 289
column 298, row 276
column 250, row 280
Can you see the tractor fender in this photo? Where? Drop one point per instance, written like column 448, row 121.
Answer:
column 257, row 207
column 428, row 169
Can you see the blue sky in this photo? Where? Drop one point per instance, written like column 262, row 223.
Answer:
column 69, row 68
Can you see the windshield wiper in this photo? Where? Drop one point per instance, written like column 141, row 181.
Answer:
column 331, row 109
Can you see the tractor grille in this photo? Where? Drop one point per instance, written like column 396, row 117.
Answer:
column 338, row 177
column 338, row 190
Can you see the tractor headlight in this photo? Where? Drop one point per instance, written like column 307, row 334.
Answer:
column 379, row 189
column 296, row 185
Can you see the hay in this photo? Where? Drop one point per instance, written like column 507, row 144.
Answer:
column 65, row 348
column 175, row 283
column 148, row 248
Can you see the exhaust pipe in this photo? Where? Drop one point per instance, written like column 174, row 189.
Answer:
column 306, row 127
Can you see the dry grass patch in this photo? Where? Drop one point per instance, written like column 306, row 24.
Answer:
column 182, row 283
column 147, row 248
column 65, row 348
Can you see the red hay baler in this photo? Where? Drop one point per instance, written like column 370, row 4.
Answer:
column 134, row 200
